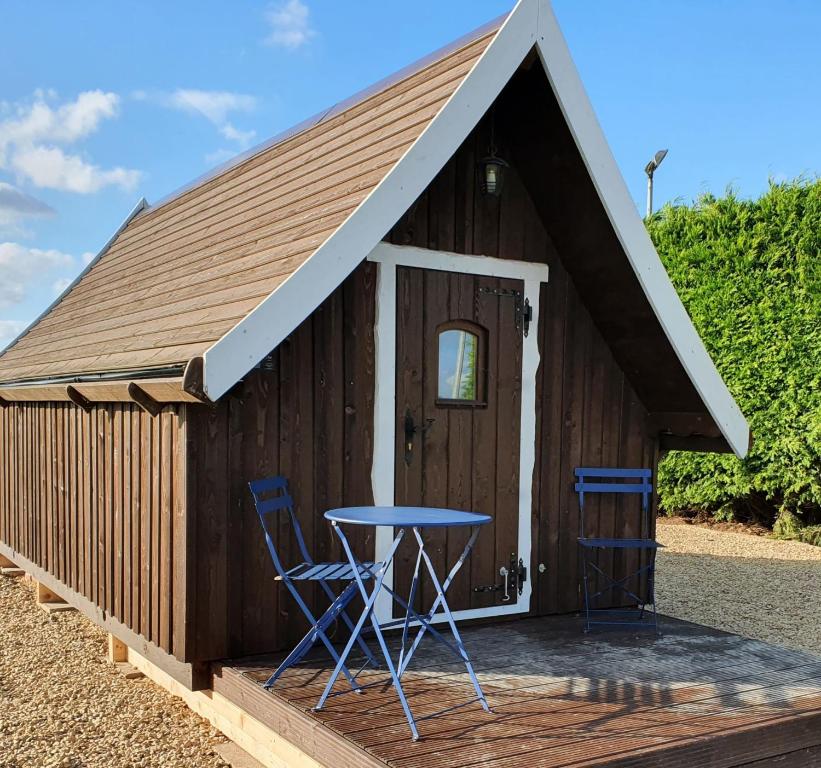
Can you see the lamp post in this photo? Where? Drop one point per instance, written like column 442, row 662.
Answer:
column 650, row 169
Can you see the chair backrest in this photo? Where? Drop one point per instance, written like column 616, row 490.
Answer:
column 271, row 498
column 614, row 480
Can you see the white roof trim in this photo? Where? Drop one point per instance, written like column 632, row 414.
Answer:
column 530, row 23
column 239, row 350
column 141, row 205
column 630, row 229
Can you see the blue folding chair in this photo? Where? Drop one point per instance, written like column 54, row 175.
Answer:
column 271, row 497
column 626, row 481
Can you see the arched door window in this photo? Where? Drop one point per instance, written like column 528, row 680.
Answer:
column 461, row 363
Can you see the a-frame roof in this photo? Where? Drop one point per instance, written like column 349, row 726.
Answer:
column 181, row 274
column 312, row 207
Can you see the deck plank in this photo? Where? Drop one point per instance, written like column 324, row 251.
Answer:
column 560, row 699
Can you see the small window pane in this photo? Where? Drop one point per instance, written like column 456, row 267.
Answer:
column 457, row 365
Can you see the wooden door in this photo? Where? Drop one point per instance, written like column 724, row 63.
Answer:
column 458, row 412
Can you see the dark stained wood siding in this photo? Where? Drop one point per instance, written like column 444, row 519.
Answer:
column 96, row 499
column 308, row 414
column 587, row 411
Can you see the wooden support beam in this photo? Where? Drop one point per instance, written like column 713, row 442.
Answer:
column 683, row 424
column 695, row 443
column 257, row 739
column 117, row 650
column 192, row 675
column 163, row 390
column 45, row 595
column 8, row 568
column 193, row 379
column 49, row 601
column 143, row 399
column 78, row 398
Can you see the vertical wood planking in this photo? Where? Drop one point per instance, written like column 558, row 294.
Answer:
column 481, row 570
column 70, row 500
column 117, row 511
column 410, row 366
column 156, row 533
column 180, row 532
column 166, row 420
column 308, row 416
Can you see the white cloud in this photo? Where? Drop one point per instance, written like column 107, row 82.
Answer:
column 68, row 123
column 52, row 168
column 216, row 107
column 17, row 202
column 10, row 330
column 60, row 284
column 290, row 25
column 30, row 142
column 87, row 257
column 213, row 105
column 243, row 138
column 21, row 267
column 16, row 205
column 219, row 156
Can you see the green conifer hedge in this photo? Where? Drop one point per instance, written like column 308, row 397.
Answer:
column 749, row 274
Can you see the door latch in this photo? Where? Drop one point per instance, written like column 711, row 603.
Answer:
column 411, row 429
column 513, row 578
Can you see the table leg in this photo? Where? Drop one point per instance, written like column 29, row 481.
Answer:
column 409, row 610
column 436, row 603
column 366, row 613
column 440, row 596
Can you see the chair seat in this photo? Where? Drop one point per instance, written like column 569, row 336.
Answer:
column 621, row 543
column 328, row 572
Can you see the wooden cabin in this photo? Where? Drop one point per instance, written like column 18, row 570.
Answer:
column 298, row 312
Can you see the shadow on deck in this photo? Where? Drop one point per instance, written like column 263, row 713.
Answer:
column 690, row 698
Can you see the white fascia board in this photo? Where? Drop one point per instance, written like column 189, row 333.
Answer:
column 141, row 205
column 632, row 234
column 239, row 350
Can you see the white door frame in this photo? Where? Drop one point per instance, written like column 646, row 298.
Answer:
column 383, row 473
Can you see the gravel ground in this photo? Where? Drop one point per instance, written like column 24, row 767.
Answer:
column 750, row 585
column 62, row 705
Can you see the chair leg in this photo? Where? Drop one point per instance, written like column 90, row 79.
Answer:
column 349, row 624
column 586, row 595
column 318, row 628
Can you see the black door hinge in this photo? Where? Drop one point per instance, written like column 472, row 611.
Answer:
column 522, row 311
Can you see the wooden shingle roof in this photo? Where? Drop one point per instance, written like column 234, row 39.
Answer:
column 180, row 275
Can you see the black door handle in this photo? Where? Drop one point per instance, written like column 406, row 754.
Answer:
column 410, row 431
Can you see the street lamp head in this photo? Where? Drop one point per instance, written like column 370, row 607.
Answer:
column 650, row 168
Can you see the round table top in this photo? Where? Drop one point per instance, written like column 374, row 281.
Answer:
column 405, row 517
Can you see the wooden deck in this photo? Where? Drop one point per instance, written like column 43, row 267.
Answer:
column 690, row 698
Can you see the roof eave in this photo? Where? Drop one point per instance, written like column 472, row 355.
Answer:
column 141, row 205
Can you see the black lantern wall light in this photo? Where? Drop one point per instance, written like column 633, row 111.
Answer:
column 491, row 170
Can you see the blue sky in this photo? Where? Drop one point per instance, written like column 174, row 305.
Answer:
column 101, row 103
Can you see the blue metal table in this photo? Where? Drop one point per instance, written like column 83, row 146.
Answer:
column 402, row 518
